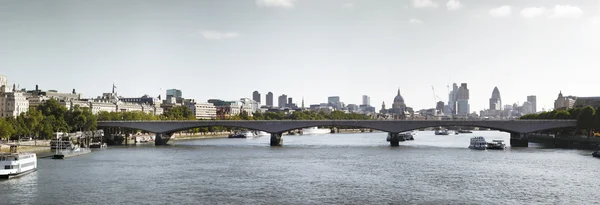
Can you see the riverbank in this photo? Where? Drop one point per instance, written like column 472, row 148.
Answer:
column 27, row 146
column 577, row 142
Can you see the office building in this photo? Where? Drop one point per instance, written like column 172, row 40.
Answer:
column 462, row 100
column 366, row 100
column 256, row 96
column 269, row 99
column 282, row 101
column 495, row 100
column 533, row 100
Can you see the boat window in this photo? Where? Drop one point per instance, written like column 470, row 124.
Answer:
column 7, row 167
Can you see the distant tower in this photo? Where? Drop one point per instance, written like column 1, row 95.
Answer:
column 532, row 99
column 302, row 102
column 495, row 100
column 269, row 99
column 256, row 97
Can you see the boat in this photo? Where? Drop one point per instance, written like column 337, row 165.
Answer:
column 441, row 132
column 98, row 145
column 242, row 134
column 596, row 154
column 404, row 136
column 496, row 144
column 15, row 164
column 465, row 131
column 75, row 151
column 478, row 143
column 262, row 133
column 315, row 130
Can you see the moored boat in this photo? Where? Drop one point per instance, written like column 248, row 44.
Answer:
column 242, row 134
column 15, row 164
column 465, row 131
column 478, row 143
column 315, row 130
column 496, row 144
column 75, row 151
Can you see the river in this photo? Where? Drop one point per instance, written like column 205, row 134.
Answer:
column 358, row 168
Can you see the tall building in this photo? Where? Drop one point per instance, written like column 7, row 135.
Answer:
column 281, row 102
column 452, row 99
column 3, row 83
column 175, row 93
column 462, row 100
column 256, row 97
column 269, row 99
column 440, row 106
column 495, row 100
column 366, row 100
column 533, row 100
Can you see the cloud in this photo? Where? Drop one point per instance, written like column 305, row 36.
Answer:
column 424, row 4
column 276, row 3
column 415, row 21
column 533, row 12
column 501, row 12
column 218, row 35
column 566, row 11
column 453, row 5
column 348, row 5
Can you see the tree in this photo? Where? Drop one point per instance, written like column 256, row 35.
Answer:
column 33, row 119
column 562, row 115
column 6, row 129
column 585, row 120
column 597, row 119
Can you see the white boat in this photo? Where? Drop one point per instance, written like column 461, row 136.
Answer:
column 478, row 143
column 262, row 133
column 496, row 144
column 17, row 164
column 75, row 151
column 315, row 130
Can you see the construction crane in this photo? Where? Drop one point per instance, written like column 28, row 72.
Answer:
column 435, row 97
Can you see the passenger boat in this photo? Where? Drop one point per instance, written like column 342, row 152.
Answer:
column 16, row 164
column 404, row 136
column 61, row 144
column 315, row 130
column 478, row 143
column 496, row 144
column 242, row 134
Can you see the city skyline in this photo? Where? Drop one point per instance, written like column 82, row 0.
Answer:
column 305, row 48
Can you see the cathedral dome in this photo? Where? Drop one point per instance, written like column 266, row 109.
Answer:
column 398, row 98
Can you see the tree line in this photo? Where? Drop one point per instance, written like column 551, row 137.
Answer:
column 587, row 118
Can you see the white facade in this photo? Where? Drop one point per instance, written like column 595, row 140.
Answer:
column 129, row 107
column 202, row 110
column 12, row 104
column 99, row 106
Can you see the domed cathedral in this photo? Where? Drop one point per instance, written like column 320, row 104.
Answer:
column 398, row 110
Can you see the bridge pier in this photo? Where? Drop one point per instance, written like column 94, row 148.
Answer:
column 518, row 140
column 162, row 138
column 395, row 139
column 276, row 139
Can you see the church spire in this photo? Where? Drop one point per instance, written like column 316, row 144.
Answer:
column 398, row 90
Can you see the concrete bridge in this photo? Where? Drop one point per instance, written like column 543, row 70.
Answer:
column 517, row 128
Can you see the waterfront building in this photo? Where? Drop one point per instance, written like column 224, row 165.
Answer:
column 495, row 100
column 282, row 101
column 249, row 102
column 98, row 106
column 202, row 110
column 564, row 102
column 269, row 99
column 533, row 100
column 141, row 100
column 128, row 107
column 366, row 100
column 462, row 100
column 226, row 109
column 256, row 96
column 13, row 103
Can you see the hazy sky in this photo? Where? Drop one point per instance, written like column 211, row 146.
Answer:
column 313, row 48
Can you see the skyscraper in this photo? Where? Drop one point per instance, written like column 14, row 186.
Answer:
column 269, row 99
column 333, row 100
column 495, row 100
column 366, row 100
column 452, row 99
column 281, row 102
column 256, row 97
column 533, row 100
column 462, row 100
column 173, row 93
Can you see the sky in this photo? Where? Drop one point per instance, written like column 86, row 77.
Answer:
column 306, row 48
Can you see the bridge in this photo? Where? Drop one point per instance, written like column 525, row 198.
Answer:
column 517, row 128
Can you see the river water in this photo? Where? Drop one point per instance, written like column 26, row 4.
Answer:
column 359, row 168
